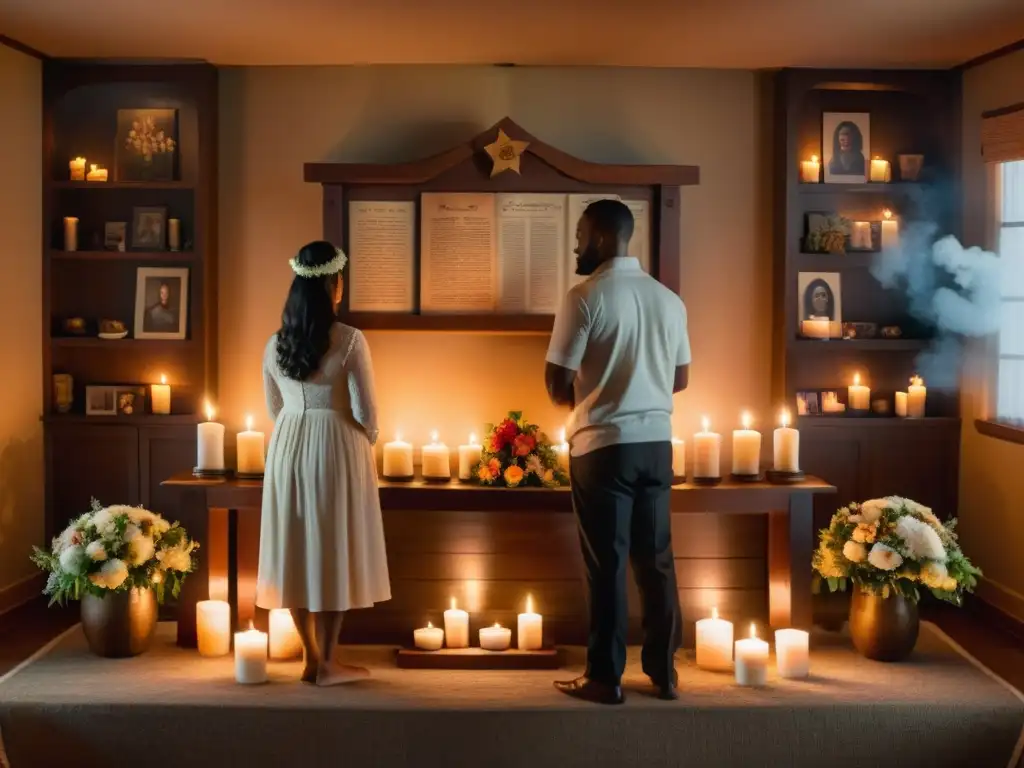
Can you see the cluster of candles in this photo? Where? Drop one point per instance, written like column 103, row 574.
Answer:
column 249, row 456
column 880, row 171
column 748, row 657
column 909, row 404
column 252, row 647
column 529, row 632
column 77, row 168
column 435, row 458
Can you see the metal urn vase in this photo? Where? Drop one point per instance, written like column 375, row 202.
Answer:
column 119, row 624
column 883, row 628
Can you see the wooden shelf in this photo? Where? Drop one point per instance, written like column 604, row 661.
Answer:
column 892, row 188
column 876, row 422
column 127, row 342
column 131, row 256
column 809, row 346
column 468, row 323
column 812, row 262
column 147, row 419
column 134, row 185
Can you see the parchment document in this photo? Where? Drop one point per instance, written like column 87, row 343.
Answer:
column 380, row 241
column 458, row 253
column 640, row 244
column 531, row 252
column 577, row 205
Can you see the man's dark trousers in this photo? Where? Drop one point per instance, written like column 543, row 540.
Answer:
column 621, row 496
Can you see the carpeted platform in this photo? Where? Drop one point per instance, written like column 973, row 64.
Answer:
column 171, row 709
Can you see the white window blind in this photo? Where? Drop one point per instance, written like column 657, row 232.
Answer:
column 1010, row 383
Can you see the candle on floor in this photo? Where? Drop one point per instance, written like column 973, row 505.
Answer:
column 174, row 234
column 434, row 460
column 210, row 454
column 160, row 394
column 428, row 638
column 678, row 457
column 249, row 449
column 707, row 448
column 96, row 173
column 786, row 445
column 858, row 395
column 398, row 458
column 530, row 629
column 901, row 404
column 469, row 457
column 456, row 627
column 77, row 167
column 792, row 653
column 251, row 656
column 810, row 170
column 916, row 395
column 816, row 329
column 496, row 638
column 213, row 627
column 562, row 452
column 714, row 643
column 890, row 231
column 285, row 642
column 751, row 662
column 880, row 170
column 70, row 233
column 746, row 449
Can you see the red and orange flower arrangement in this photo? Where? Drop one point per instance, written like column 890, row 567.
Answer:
column 516, row 454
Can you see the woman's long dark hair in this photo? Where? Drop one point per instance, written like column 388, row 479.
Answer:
column 305, row 334
column 809, row 299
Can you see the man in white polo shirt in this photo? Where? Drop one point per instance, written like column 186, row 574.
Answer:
column 619, row 351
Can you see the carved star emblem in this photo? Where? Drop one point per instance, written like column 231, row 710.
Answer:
column 505, row 153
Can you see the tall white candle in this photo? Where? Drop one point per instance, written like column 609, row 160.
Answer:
column 746, row 449
column 285, row 642
column 787, row 446
column 816, row 329
column 496, row 638
column 530, row 629
column 70, row 233
column 707, row 448
column 174, row 234
column 880, row 170
column 456, row 627
column 751, row 660
column 428, row 638
column 901, row 403
column 810, row 170
column 792, row 653
column 714, row 643
column 434, row 460
column 562, row 452
column 213, row 627
column 916, row 395
column 398, row 458
column 469, row 457
column 249, row 447
column 859, row 396
column 160, row 394
column 251, row 657
column 210, row 454
column 890, row 231
column 678, row 457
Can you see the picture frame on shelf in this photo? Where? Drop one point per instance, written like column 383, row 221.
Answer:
column 846, row 146
column 820, row 298
column 146, row 147
column 149, row 228
column 131, row 401
column 100, row 400
column 831, row 403
column 161, row 303
column 808, row 403
column 826, row 232
column 115, row 235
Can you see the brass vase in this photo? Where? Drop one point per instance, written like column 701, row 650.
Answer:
column 119, row 624
column 883, row 628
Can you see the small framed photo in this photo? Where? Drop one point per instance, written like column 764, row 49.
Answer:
column 830, row 403
column 161, row 303
column 130, row 401
column 100, row 401
column 115, row 235
column 846, row 145
column 149, row 228
column 819, row 297
column 807, row 403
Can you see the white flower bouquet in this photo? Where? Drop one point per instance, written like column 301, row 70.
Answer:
column 891, row 546
column 116, row 548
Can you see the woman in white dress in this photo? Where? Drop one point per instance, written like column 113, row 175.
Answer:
column 321, row 538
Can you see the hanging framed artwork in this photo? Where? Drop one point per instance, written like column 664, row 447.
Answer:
column 161, row 303
column 146, row 147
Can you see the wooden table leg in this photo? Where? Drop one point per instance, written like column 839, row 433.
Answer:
column 790, row 547
column 194, row 516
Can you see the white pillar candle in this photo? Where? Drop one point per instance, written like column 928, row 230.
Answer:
column 285, row 642
column 469, row 457
column 858, row 395
column 213, row 627
column 398, row 458
column 70, row 233
column 428, row 638
column 880, row 170
column 77, row 167
column 860, row 235
column 530, row 629
column 210, row 454
column 456, row 627
column 174, row 234
column 96, row 173
column 787, row 446
column 792, row 653
column 160, row 395
column 890, row 231
column 751, row 662
column 714, row 643
column 901, row 404
column 249, row 450
column 816, row 329
column 916, row 395
column 251, row 657
column 678, row 457
column 746, row 449
column 562, row 452
column 707, row 448
column 434, row 460
column 496, row 638
column 810, row 170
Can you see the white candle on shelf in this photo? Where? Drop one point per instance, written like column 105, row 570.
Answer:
column 77, row 167
column 469, row 457
column 916, row 395
column 285, row 642
column 398, row 458
column 562, row 452
column 901, row 404
column 213, row 627
column 880, row 170
column 496, row 638
column 707, row 448
column 434, row 460
column 816, row 329
column 456, row 627
column 251, row 656
column 174, row 234
column 678, row 457
column 810, row 170
column 746, row 449
column 714, row 643
column 530, row 629
column 210, row 454
column 161, row 396
column 859, row 396
column 70, row 233
column 792, row 653
column 96, row 173
column 786, row 445
column 751, row 662
column 428, row 638
column 890, row 231
column 860, row 235
column 249, row 449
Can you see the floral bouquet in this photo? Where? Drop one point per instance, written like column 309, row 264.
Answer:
column 517, row 453
column 892, row 545
column 116, row 548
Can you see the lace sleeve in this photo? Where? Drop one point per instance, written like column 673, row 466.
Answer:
column 271, row 391
column 359, row 373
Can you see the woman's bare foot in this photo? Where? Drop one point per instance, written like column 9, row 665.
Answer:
column 309, row 673
column 340, row 674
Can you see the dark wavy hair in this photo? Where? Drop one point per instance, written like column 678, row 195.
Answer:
column 305, row 333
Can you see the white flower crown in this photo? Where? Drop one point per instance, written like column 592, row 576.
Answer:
column 332, row 267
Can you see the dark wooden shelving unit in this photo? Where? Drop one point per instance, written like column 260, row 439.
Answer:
column 468, row 323
column 140, row 256
column 822, row 346
column 134, row 186
column 148, row 419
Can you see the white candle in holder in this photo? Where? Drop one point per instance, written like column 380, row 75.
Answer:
column 678, row 457
column 916, row 396
column 249, row 449
column 398, row 458
column 890, row 231
column 562, row 452
column 210, row 453
column 434, row 460
column 77, row 168
column 160, row 394
column 751, row 662
column 251, row 657
column 880, row 170
column 213, row 627
column 859, row 395
column 174, row 234
column 787, row 446
column 456, row 627
column 816, row 329
column 70, row 233
column 496, row 638
column 707, row 448
column 285, row 642
column 428, row 638
column 469, row 457
column 901, row 404
column 714, row 643
column 810, row 170
column 530, row 628
column 746, row 449
column 792, row 653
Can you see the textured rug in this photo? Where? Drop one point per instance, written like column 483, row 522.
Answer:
column 172, row 708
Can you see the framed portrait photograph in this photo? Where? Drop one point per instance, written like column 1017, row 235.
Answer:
column 808, row 404
column 149, row 228
column 161, row 303
column 130, row 401
column 115, row 235
column 846, row 146
column 819, row 297
column 146, row 147
column 100, row 401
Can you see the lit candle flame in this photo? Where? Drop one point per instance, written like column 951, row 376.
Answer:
column 714, row 614
column 529, row 603
column 497, row 625
column 472, row 438
column 248, row 423
column 814, row 158
column 453, row 604
column 163, row 378
column 561, row 436
column 251, row 627
column 886, row 214
column 746, row 420
column 753, row 630
column 916, row 381
column 706, row 424
column 433, row 437
column 430, row 625
column 210, row 413
column 856, row 379
column 784, row 417
column 398, row 436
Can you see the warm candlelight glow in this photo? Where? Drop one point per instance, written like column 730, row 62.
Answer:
column 746, row 420
column 916, row 381
column 453, row 606
column 430, row 625
column 753, row 630
column 472, row 438
column 497, row 625
column 433, row 437
column 814, row 158
column 714, row 613
column 706, row 424
column 784, row 417
column 856, row 379
column 210, row 413
column 561, row 436
column 529, row 603
column 248, row 423
column 163, row 378
column 886, row 214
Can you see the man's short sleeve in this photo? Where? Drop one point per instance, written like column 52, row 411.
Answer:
column 570, row 334
column 683, row 349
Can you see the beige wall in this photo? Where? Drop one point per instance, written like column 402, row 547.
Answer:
column 21, row 435
column 275, row 119
column 991, row 477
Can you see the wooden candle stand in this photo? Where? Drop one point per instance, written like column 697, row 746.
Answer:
column 478, row 659
column 707, row 481
column 777, row 477
column 759, row 477
column 198, row 472
column 249, row 475
column 403, row 479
